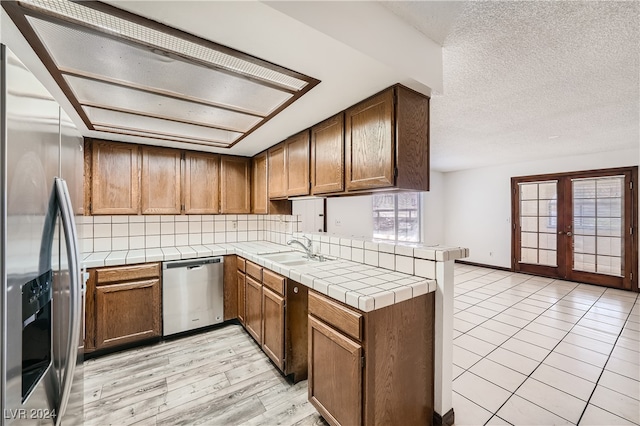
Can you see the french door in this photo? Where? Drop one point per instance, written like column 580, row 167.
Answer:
column 578, row 226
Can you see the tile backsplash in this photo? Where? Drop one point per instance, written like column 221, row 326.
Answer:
column 113, row 233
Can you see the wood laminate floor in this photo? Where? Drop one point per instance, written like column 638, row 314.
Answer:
column 220, row 377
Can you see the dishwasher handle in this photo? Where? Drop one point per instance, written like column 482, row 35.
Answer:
column 192, row 267
column 192, row 263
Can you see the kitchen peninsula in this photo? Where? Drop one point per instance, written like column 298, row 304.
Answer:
column 368, row 280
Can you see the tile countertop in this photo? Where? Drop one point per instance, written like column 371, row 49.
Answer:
column 358, row 285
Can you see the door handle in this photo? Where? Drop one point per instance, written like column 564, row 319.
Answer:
column 569, row 233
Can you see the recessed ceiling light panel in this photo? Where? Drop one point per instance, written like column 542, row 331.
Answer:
column 112, row 63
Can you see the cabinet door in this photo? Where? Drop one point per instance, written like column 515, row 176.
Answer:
column 253, row 308
column 259, row 196
column 277, row 172
column 160, row 181
column 241, row 296
column 273, row 326
column 327, row 156
column 115, row 187
column 201, row 183
column 370, row 143
column 235, row 185
column 335, row 374
column 297, row 164
column 127, row 312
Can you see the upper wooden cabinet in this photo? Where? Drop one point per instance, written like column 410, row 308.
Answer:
column 160, row 179
column 114, row 180
column 201, row 183
column 259, row 198
column 327, row 156
column 387, row 141
column 297, row 164
column 277, row 171
column 235, row 185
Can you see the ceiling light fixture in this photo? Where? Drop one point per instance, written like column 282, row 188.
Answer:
column 129, row 75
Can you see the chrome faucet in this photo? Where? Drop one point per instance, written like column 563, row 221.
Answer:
column 308, row 248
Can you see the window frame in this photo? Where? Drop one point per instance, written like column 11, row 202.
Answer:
column 396, row 209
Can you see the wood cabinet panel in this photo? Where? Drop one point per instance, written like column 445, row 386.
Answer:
column 277, row 171
column 253, row 308
column 370, row 143
column 241, row 280
column 412, row 127
column 273, row 281
column 297, row 164
column 201, row 183
column 259, row 187
column 254, row 271
column 273, row 326
column 115, row 185
column 327, row 156
column 333, row 313
column 127, row 273
column 127, row 312
column 335, row 375
column 235, row 185
column 230, row 288
column 160, row 178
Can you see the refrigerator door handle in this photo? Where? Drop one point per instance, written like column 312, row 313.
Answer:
column 70, row 236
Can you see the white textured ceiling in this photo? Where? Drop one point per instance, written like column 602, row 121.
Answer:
column 532, row 80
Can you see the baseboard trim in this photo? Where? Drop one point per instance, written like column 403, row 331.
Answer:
column 446, row 420
column 483, row 265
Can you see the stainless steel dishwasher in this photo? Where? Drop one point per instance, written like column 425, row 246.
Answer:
column 192, row 294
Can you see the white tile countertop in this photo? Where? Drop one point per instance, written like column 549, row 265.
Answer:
column 359, row 285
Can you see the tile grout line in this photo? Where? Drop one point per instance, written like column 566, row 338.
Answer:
column 605, row 365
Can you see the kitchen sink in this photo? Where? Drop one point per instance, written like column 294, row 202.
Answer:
column 293, row 258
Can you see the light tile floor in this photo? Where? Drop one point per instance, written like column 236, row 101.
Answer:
column 538, row 351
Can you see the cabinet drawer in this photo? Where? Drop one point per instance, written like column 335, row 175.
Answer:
column 273, row 281
column 241, row 264
column 254, row 270
column 336, row 315
column 127, row 273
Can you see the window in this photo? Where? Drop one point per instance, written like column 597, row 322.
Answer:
column 396, row 217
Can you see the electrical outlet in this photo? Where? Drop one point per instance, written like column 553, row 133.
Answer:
column 234, row 224
column 338, row 222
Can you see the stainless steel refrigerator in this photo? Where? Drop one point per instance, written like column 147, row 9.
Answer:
column 42, row 298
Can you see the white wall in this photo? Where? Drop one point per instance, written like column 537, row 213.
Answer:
column 352, row 216
column 477, row 202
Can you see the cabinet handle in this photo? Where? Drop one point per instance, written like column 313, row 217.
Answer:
column 295, row 289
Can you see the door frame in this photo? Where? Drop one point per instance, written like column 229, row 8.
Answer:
column 630, row 280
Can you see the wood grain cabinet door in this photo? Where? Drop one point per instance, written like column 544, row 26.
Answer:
column 241, row 277
column 297, row 164
column 160, row 180
column 115, row 186
column 201, row 183
column 370, row 143
column 277, row 171
column 127, row 312
column 335, row 374
column 259, row 196
column 327, row 156
column 273, row 326
column 235, row 185
column 253, row 309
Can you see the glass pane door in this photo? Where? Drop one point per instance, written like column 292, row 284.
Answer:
column 598, row 222
column 538, row 223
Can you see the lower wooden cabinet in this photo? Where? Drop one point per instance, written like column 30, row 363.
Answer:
column 124, row 305
column 241, row 280
column 275, row 315
column 335, row 374
column 273, row 326
column 253, row 309
column 373, row 367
